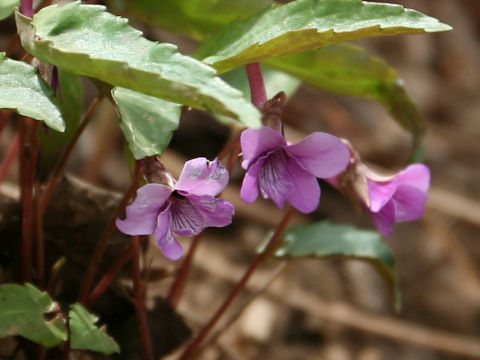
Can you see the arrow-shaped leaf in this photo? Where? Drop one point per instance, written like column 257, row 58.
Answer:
column 24, row 91
column 307, row 24
column 87, row 40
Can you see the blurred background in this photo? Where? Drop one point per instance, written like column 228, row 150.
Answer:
column 336, row 309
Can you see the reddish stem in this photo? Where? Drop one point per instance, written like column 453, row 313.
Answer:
column 259, row 259
column 240, row 311
column 27, row 8
column 178, row 285
column 29, row 160
column 139, row 294
column 257, row 86
column 22, row 169
column 4, row 117
column 110, row 276
column 107, row 234
column 9, row 157
column 39, row 239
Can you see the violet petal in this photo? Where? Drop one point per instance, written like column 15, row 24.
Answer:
column 305, row 196
column 323, row 155
column 274, row 179
column 215, row 212
column 385, row 218
column 380, row 193
column 202, row 177
column 257, row 142
column 249, row 190
column 170, row 246
column 409, row 203
column 142, row 213
column 416, row 175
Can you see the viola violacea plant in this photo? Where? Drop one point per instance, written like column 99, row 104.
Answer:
column 185, row 207
column 152, row 85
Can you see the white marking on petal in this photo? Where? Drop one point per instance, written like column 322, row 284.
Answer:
column 218, row 173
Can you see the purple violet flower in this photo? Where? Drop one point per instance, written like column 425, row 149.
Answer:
column 389, row 199
column 185, row 208
column 401, row 198
column 283, row 172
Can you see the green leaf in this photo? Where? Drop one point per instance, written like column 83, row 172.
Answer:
column 147, row 122
column 324, row 240
column 194, row 18
column 70, row 99
column 307, row 24
column 28, row 312
column 7, row 7
column 85, row 335
column 87, row 40
column 24, row 91
column 349, row 70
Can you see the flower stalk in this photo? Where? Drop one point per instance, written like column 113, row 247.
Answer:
column 272, row 245
column 257, row 86
column 214, row 338
column 27, row 8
